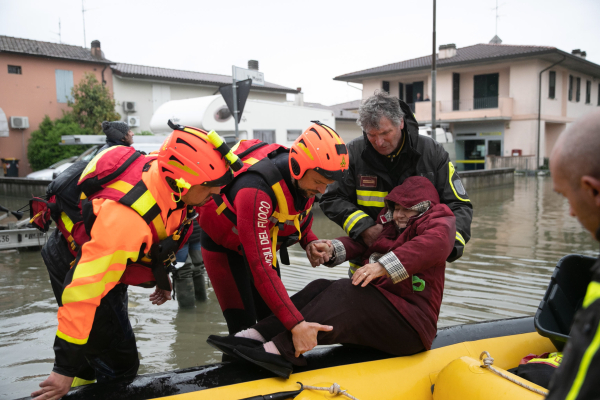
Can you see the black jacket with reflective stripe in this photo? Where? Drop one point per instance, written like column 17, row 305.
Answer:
column 355, row 202
column 578, row 374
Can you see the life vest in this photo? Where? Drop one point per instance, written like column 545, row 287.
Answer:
column 116, row 174
column 256, row 156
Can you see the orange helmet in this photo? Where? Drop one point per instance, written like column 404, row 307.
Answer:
column 319, row 148
column 191, row 156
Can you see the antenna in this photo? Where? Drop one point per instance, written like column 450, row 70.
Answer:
column 497, row 16
column 83, row 17
column 58, row 33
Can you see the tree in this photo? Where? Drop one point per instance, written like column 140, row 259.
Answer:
column 44, row 149
column 92, row 103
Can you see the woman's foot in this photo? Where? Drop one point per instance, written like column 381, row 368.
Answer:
column 271, row 362
column 226, row 344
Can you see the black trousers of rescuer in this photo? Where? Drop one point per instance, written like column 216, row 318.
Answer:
column 231, row 278
column 359, row 316
column 111, row 351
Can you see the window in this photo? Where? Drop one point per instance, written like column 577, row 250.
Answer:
column 570, row 87
column 485, row 91
column 293, row 134
column 455, row 91
column 588, row 92
column 552, row 85
column 401, row 91
column 578, row 90
column 14, row 69
column 64, row 84
column 267, row 136
column 385, row 86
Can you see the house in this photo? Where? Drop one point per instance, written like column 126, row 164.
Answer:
column 140, row 90
column 346, row 115
column 35, row 80
column 490, row 96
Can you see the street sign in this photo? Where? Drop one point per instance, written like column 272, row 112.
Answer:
column 240, row 97
column 240, row 74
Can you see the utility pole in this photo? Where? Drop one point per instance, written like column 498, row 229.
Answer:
column 235, row 103
column 433, row 76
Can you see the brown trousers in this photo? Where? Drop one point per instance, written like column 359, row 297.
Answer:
column 359, row 316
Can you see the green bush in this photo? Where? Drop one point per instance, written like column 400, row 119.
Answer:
column 145, row 133
column 44, row 149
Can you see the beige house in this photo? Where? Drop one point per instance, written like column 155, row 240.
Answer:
column 346, row 115
column 139, row 90
column 489, row 95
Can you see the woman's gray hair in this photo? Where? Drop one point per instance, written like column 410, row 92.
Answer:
column 379, row 105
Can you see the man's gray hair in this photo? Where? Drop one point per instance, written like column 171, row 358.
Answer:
column 379, row 105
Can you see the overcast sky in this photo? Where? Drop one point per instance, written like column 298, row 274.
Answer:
column 298, row 44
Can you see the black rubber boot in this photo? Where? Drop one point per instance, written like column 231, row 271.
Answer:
column 226, row 344
column 184, row 292
column 271, row 362
column 200, row 287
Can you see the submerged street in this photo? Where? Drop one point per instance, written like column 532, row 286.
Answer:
column 518, row 235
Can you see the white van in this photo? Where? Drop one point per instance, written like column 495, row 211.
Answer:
column 441, row 135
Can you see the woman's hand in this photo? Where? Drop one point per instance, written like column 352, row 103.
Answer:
column 319, row 252
column 304, row 336
column 367, row 273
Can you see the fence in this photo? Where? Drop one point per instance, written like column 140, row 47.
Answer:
column 519, row 163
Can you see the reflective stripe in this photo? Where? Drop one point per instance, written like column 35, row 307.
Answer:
column 98, row 265
column 66, row 221
column 353, row 219
column 251, row 161
column 370, row 198
column 553, row 359
column 75, row 294
column 307, row 151
column 450, row 173
column 70, row 339
column 144, row 203
column 183, row 167
column 159, row 225
column 592, row 294
column 91, row 167
column 586, row 360
column 80, row 382
column 121, row 186
column 353, row 267
column 460, row 238
column 222, row 207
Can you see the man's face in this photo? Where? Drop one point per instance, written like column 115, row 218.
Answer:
column 582, row 200
column 387, row 138
column 198, row 195
column 312, row 183
column 402, row 215
column 129, row 138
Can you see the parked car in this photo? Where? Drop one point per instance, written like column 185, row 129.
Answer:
column 57, row 168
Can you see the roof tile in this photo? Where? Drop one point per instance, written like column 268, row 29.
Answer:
column 47, row 49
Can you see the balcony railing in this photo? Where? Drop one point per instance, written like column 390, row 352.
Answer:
column 473, row 104
column 448, row 110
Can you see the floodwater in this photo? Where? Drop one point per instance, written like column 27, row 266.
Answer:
column 518, row 236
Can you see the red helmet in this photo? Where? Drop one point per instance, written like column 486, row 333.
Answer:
column 319, row 148
column 191, row 156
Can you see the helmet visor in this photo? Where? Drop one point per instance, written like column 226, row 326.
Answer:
column 337, row 175
column 226, row 178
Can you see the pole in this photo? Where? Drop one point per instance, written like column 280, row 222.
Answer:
column 433, row 76
column 235, row 105
column 83, row 17
column 540, row 109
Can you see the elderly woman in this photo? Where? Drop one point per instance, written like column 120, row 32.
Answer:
column 391, row 303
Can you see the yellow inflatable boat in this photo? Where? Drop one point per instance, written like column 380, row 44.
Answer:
column 450, row 370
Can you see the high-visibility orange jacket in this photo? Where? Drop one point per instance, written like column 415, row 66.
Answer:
column 117, row 236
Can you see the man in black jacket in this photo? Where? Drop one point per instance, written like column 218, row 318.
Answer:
column 575, row 168
column 391, row 151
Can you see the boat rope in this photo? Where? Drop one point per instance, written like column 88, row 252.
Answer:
column 489, row 361
column 334, row 389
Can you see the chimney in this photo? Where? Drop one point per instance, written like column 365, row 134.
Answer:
column 96, row 51
column 253, row 64
column 579, row 53
column 447, row 51
column 299, row 100
column 496, row 40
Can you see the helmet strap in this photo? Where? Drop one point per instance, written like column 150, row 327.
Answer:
column 173, row 196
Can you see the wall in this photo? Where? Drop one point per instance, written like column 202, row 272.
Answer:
column 553, row 131
column 141, row 91
column 348, row 130
column 33, row 95
column 487, row 178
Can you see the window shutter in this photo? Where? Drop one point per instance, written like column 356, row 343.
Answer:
column 64, row 84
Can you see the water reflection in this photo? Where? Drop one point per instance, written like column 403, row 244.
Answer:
column 518, row 235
